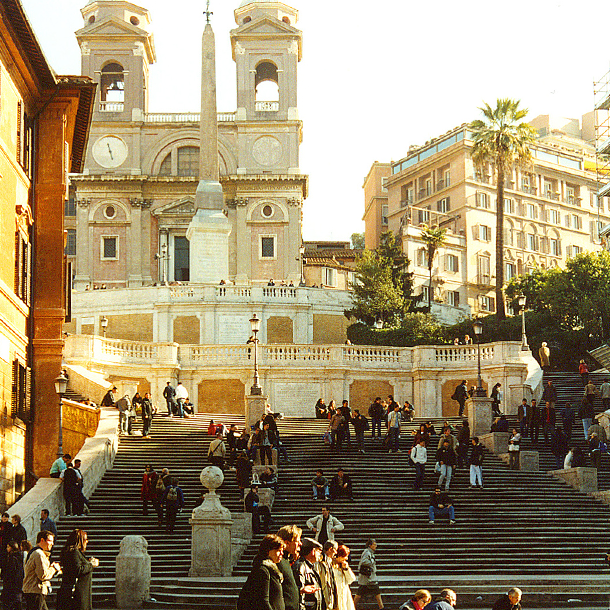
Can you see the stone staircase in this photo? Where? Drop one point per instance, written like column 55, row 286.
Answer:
column 523, row 529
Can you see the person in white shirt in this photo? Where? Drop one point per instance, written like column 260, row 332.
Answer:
column 181, row 397
column 419, row 455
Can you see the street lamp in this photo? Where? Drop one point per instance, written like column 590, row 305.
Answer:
column 477, row 327
column 255, row 326
column 163, row 257
column 522, row 300
column 104, row 325
column 61, row 385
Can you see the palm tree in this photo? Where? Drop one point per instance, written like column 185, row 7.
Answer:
column 502, row 139
column 434, row 238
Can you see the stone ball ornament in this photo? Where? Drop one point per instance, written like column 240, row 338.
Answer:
column 212, row 478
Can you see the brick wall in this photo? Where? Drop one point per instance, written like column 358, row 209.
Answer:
column 222, row 396
column 451, row 407
column 186, row 330
column 363, row 392
column 328, row 328
column 130, row 327
column 279, row 329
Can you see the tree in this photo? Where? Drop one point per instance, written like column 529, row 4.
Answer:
column 357, row 240
column 532, row 285
column 434, row 238
column 502, row 140
column 374, row 294
column 391, row 250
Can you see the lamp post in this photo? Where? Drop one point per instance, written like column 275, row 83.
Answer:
column 163, row 257
column 61, row 384
column 104, row 325
column 255, row 326
column 477, row 326
column 522, row 300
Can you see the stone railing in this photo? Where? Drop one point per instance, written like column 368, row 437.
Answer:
column 87, row 348
column 184, row 117
column 266, row 106
column 111, row 106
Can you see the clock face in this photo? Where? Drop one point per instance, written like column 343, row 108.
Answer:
column 110, row 151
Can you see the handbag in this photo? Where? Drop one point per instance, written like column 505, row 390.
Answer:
column 437, row 467
column 365, row 570
column 327, row 438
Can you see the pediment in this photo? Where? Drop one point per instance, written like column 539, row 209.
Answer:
column 112, row 26
column 183, row 207
column 264, row 26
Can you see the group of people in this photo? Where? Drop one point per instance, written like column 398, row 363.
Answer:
column 27, row 570
column 163, row 492
column 73, row 484
column 128, row 410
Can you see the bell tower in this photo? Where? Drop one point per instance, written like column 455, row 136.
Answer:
column 117, row 48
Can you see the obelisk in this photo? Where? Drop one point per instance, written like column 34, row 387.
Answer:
column 208, row 232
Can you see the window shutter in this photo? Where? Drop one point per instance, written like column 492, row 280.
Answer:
column 567, row 221
column 475, row 231
column 19, row 132
column 492, row 304
column 568, row 251
column 15, row 389
column 544, row 244
column 28, row 395
column 28, row 273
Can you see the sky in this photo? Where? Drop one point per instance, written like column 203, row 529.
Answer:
column 375, row 77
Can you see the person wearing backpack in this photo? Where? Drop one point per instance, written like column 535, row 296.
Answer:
column 174, row 503
column 360, row 424
column 217, row 452
column 148, row 489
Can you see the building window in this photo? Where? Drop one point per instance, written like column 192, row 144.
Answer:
column 110, row 212
column 554, row 217
column 487, row 303
column 554, row 247
column 510, row 271
column 484, row 269
column 21, row 392
column 443, row 205
column 576, row 221
column 423, row 216
column 70, row 207
column 484, row 233
column 110, row 247
column 23, row 267
column 532, row 242
column 188, row 161
column 421, row 258
column 330, row 277
column 453, row 298
column 267, row 246
column 483, row 200
column 384, row 187
column 452, row 263
column 384, row 214
column 267, row 211
column 165, row 169
column 447, row 178
column 112, row 88
column 425, row 291
column 428, row 186
column 70, row 249
column 531, row 211
column 509, row 206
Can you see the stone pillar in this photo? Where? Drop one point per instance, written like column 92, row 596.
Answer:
column 255, row 407
column 134, row 275
column 132, row 579
column 581, row 478
column 211, row 523
column 83, row 248
column 529, row 461
column 496, row 442
column 480, row 415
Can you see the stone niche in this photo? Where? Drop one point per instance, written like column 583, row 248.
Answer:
column 329, row 329
column 129, row 327
column 221, row 396
column 451, row 407
column 186, row 330
column 280, row 330
column 363, row 392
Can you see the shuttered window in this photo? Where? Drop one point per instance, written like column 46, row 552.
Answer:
column 21, row 392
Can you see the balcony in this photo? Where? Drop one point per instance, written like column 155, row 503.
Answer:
column 573, row 200
column 423, row 193
column 443, row 184
column 482, row 178
column 530, row 190
column 111, row 106
column 483, row 279
column 551, row 195
column 184, row 117
column 266, row 106
column 406, row 202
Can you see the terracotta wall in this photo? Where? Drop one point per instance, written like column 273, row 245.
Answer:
column 329, row 329
column 79, row 423
column 363, row 392
column 451, row 407
column 280, row 330
column 222, row 396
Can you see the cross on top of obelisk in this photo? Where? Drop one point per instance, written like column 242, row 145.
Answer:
column 208, row 13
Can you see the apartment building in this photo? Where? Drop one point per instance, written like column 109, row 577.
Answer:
column 376, row 203
column 44, row 125
column 552, row 211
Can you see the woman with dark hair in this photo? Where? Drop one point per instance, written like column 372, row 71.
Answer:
column 263, row 589
column 75, row 590
column 421, row 435
column 321, row 409
column 496, row 398
column 12, row 577
column 344, row 577
column 148, row 491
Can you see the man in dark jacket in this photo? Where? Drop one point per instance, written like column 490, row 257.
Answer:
column 168, row 394
column 341, row 486
column 463, row 438
column 18, row 533
column 71, row 492
column 173, row 498
column 461, row 396
column 446, row 459
column 291, row 535
column 376, row 415
column 441, row 505
column 533, row 421
column 510, row 601
column 549, row 417
column 360, row 424
column 550, row 393
column 306, row 577
column 261, row 515
column 522, row 416
column 147, row 414
column 586, row 412
column 446, row 601
column 109, row 398
column 347, row 414
column 477, row 453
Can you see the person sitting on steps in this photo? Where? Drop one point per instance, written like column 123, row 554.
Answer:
column 320, row 486
column 440, row 505
column 341, row 486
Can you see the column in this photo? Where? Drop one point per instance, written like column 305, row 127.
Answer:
column 83, row 245
column 134, row 275
column 145, row 246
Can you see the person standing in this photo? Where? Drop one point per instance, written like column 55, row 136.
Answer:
column 376, row 415
column 586, row 412
column 583, row 369
column 347, row 416
column 496, row 399
column 513, row 450
column 544, row 353
column 261, row 515
column 533, row 421
column 477, row 455
column 124, row 407
column 181, row 397
column 243, row 471
column 70, row 491
column 12, row 577
column 590, row 392
column 446, row 459
column 75, row 590
column 5, row 537
column 148, row 491
column 169, row 393
column 361, row 424
column 419, row 456
column 18, row 533
column 324, row 526
column 46, row 523
column 324, row 568
column 38, row 572
column 344, row 577
column 263, row 588
column 217, row 452
column 336, row 427
column 368, row 583
column 147, row 414
column 461, row 396
column 394, row 420
column 306, row 577
column 291, row 537
column 174, row 503
column 559, row 447
column 522, row 416
column 549, row 418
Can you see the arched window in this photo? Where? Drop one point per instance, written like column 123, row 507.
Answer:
column 267, row 87
column 188, row 161
column 165, row 169
column 112, row 87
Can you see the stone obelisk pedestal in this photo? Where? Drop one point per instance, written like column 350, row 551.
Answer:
column 133, row 573
column 211, row 526
column 480, row 415
column 255, row 407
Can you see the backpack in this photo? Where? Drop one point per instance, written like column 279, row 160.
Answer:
column 160, row 486
column 172, row 494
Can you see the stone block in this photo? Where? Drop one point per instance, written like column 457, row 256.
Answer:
column 529, row 461
column 258, row 469
column 603, row 496
column 480, row 415
column 496, row 442
column 582, row 479
column 266, row 496
column 133, row 570
column 255, row 407
column 241, row 534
